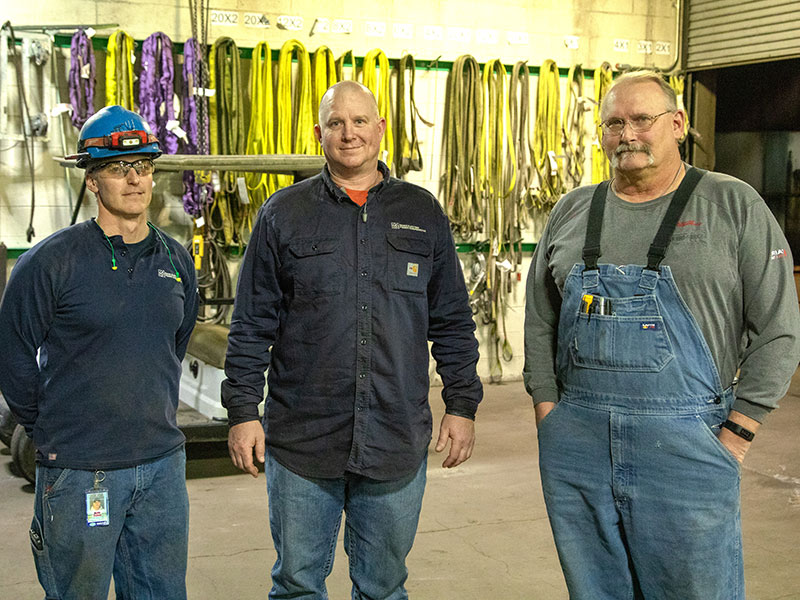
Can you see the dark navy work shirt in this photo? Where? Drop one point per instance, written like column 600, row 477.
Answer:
column 103, row 393
column 340, row 301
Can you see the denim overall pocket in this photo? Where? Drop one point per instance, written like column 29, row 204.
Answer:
column 632, row 338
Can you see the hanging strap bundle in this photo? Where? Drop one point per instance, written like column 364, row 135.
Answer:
column 519, row 106
column 407, row 154
column 602, row 81
column 261, row 136
column 547, row 134
column 677, row 83
column 226, row 118
column 81, row 78
column 572, row 128
column 380, row 87
column 156, row 90
column 462, row 134
column 340, row 66
column 119, row 70
column 498, row 164
column 323, row 67
column 194, row 121
column 294, row 106
column 498, row 177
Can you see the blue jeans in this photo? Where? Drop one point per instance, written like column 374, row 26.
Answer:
column 305, row 515
column 144, row 546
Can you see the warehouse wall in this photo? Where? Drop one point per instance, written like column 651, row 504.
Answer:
column 636, row 32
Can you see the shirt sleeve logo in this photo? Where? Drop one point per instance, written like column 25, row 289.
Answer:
column 412, row 270
column 781, row 253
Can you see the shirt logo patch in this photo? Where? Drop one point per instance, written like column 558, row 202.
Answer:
column 651, row 326
column 396, row 225
column 688, row 223
column 163, row 273
column 412, row 270
column 781, row 253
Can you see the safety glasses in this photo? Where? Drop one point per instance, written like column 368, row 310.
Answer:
column 118, row 169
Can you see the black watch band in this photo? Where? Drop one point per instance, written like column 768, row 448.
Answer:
column 739, row 430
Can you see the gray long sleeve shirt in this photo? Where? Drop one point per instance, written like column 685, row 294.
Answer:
column 731, row 263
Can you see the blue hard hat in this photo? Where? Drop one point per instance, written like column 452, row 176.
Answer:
column 114, row 131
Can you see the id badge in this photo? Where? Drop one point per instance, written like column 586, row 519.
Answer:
column 97, row 507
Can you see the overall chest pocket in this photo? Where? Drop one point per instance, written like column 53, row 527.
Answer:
column 409, row 268
column 633, row 338
column 315, row 267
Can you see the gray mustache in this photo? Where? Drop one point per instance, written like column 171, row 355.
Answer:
column 632, row 148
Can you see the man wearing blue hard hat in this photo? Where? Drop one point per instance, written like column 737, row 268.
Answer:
column 95, row 321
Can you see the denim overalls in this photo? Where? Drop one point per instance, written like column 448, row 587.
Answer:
column 642, row 497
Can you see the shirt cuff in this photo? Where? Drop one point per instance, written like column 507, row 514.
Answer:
column 242, row 414
column 544, row 395
column 757, row 412
column 460, row 413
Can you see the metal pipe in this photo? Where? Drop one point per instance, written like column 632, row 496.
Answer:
column 53, row 28
column 304, row 165
column 4, row 39
column 25, row 64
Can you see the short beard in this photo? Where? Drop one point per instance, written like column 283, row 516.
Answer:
column 631, row 148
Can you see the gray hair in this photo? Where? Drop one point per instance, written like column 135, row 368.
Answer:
column 644, row 76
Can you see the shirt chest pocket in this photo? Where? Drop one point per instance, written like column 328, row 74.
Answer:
column 409, row 263
column 315, row 267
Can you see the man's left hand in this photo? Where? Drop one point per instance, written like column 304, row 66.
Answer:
column 461, row 433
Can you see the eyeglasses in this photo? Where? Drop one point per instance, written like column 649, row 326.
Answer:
column 639, row 123
column 118, row 169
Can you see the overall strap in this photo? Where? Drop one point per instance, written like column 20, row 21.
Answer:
column 591, row 247
column 658, row 249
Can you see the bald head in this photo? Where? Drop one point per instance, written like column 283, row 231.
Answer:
column 350, row 131
column 342, row 90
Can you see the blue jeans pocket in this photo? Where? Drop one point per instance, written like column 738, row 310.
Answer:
column 709, row 425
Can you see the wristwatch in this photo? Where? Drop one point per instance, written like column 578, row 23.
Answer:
column 739, row 430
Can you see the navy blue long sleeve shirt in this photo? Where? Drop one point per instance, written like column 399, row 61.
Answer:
column 339, row 302
column 104, row 391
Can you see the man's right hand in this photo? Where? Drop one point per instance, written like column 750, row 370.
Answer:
column 244, row 440
column 542, row 410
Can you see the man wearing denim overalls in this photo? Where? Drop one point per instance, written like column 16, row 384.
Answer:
column 647, row 294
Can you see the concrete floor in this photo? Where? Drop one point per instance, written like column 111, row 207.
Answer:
column 483, row 533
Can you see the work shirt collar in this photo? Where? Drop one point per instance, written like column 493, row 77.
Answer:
column 340, row 194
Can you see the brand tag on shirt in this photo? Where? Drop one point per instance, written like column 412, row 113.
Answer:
column 412, row 270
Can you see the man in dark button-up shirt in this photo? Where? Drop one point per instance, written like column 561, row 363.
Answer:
column 347, row 277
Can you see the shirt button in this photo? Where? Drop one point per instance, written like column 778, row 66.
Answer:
column 363, row 342
column 314, row 247
column 717, row 400
column 359, row 409
column 363, row 307
column 130, row 270
column 363, row 273
column 124, row 253
column 362, row 375
column 363, row 241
